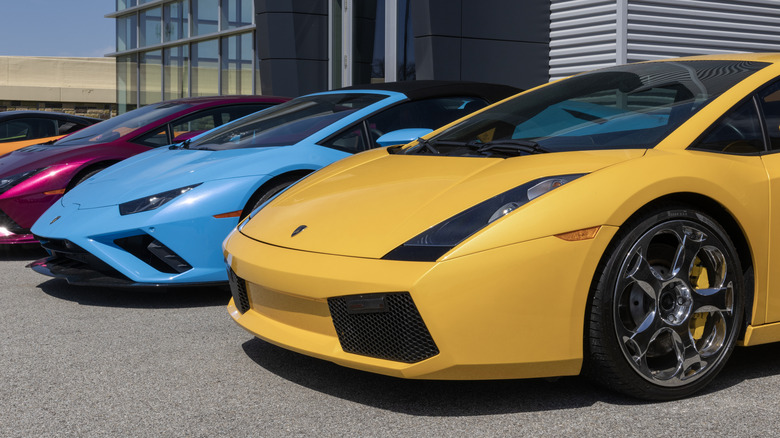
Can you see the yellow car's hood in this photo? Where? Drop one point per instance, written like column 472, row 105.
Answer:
column 368, row 204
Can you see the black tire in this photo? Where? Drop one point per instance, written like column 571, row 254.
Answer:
column 266, row 193
column 667, row 306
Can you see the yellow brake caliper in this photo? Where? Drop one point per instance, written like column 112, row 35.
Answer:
column 699, row 280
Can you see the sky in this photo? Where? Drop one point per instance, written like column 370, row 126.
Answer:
column 57, row 28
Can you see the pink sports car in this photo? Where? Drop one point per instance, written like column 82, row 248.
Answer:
column 34, row 177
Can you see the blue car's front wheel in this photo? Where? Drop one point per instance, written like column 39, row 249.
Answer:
column 268, row 191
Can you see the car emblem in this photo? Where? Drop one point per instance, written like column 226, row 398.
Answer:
column 55, row 220
column 298, row 230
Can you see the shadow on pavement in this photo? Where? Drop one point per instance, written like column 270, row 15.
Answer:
column 30, row 252
column 468, row 398
column 749, row 363
column 429, row 397
column 140, row 298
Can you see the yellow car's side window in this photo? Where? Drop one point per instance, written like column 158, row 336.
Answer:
column 738, row 132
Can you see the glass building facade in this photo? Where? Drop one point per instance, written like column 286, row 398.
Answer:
column 167, row 49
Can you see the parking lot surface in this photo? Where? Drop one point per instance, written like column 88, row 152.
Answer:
column 78, row 361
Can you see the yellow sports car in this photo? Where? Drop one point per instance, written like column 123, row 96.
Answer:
column 619, row 223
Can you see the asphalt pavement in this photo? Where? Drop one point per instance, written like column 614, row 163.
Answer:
column 95, row 362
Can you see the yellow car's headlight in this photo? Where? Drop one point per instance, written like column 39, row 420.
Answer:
column 437, row 240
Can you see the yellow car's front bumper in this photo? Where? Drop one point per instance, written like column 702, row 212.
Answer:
column 511, row 312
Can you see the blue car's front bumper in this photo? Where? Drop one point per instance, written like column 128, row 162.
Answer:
column 178, row 244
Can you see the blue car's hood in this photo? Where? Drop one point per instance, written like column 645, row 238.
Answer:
column 166, row 169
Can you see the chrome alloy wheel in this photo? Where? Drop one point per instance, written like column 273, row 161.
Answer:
column 673, row 308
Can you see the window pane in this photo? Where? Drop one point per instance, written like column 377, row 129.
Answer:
column 405, row 42
column 628, row 106
column 15, row 130
column 176, row 72
column 151, row 77
column 351, row 140
column 126, row 33
column 151, row 32
column 368, row 46
column 205, row 14
column 205, row 68
column 124, row 4
column 176, row 21
column 429, row 113
column 126, row 83
column 236, row 13
column 770, row 102
column 123, row 125
column 336, row 42
column 69, row 127
column 287, row 123
column 737, row 133
column 154, row 139
column 237, row 64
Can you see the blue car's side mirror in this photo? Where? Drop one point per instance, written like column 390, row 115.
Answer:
column 402, row 136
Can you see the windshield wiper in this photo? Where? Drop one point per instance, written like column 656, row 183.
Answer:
column 508, row 145
column 423, row 144
column 183, row 145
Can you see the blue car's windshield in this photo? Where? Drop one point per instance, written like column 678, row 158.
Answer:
column 286, row 124
column 119, row 126
column 629, row 106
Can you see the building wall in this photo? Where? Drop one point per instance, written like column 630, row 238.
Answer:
column 292, row 46
column 474, row 40
column 482, row 40
column 84, row 86
column 599, row 33
column 181, row 48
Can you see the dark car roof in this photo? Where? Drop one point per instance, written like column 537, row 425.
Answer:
column 46, row 114
column 424, row 89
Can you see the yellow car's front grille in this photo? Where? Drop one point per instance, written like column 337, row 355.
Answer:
column 392, row 330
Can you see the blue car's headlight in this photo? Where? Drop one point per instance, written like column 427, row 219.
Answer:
column 437, row 240
column 10, row 181
column 151, row 202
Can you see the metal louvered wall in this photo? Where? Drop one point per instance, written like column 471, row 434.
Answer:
column 587, row 34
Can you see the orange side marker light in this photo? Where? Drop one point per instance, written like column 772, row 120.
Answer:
column 236, row 213
column 584, row 234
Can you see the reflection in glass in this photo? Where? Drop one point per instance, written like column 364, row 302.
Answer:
column 405, row 43
column 151, row 27
column 287, row 123
column 205, row 68
column 368, row 46
column 205, row 16
column 237, row 64
column 150, row 83
column 122, row 125
column 126, row 32
column 336, row 54
column 175, row 72
column 236, row 13
column 631, row 106
column 126, row 83
column 176, row 21
column 124, row 4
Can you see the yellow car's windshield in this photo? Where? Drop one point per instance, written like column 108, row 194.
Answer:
column 629, row 106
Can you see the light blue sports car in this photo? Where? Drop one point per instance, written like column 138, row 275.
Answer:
column 159, row 218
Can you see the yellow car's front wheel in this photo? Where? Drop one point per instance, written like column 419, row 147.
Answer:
column 667, row 305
